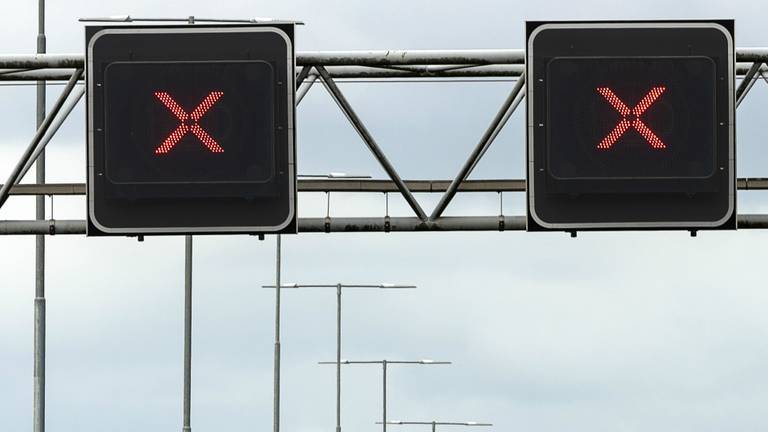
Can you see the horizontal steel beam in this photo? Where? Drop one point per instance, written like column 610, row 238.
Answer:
column 410, row 57
column 48, row 74
column 340, row 72
column 350, row 224
column 40, row 61
column 362, row 185
column 422, row 186
column 754, row 54
column 313, row 58
column 49, row 189
column 349, row 72
column 354, row 58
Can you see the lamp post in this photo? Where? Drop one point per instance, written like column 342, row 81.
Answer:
column 384, row 364
column 339, row 287
column 435, row 423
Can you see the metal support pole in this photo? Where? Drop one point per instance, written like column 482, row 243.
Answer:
column 370, row 59
column 341, row 101
column 379, row 186
column 276, row 415
column 39, row 341
column 487, row 138
column 384, row 397
column 338, row 357
column 41, row 130
column 434, row 424
column 187, row 332
column 348, row 225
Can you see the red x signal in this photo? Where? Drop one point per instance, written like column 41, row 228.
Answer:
column 189, row 122
column 631, row 118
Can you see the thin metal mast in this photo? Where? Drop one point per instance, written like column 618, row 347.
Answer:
column 39, row 361
column 187, row 398
column 276, row 415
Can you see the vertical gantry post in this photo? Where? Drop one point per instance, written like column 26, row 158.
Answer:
column 39, row 303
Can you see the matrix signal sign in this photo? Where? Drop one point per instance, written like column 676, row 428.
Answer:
column 190, row 130
column 630, row 125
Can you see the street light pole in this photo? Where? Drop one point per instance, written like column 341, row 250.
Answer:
column 384, row 363
column 338, row 357
column 384, row 396
column 187, row 397
column 435, row 423
column 276, row 403
column 38, row 407
column 339, row 288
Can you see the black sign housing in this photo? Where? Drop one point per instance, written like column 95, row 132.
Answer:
column 630, row 125
column 191, row 130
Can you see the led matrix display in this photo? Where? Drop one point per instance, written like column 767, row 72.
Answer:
column 190, row 122
column 631, row 117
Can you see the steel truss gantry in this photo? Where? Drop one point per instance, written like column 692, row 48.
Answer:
column 330, row 67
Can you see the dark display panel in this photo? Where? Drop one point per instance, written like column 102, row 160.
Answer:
column 630, row 125
column 191, row 129
column 631, row 117
column 189, row 122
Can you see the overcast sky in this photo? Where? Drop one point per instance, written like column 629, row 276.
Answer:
column 605, row 332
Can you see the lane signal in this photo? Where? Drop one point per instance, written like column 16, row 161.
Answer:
column 631, row 118
column 188, row 122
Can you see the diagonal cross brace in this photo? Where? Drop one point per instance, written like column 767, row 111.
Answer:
column 490, row 134
column 77, row 94
column 306, row 85
column 302, row 75
column 342, row 102
column 510, row 111
column 39, row 135
column 747, row 83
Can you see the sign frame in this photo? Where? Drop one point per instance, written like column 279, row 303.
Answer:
column 284, row 31
column 535, row 222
